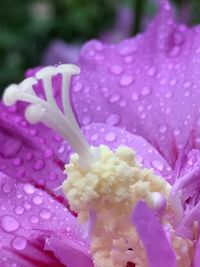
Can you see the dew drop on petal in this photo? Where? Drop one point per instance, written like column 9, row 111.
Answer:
column 45, row 214
column 33, row 219
column 37, row 200
column 126, row 80
column 135, row 96
column 113, row 119
column 9, row 223
column 176, row 131
column 187, row 84
column 152, row 71
column 39, row 165
column 116, row 69
column 110, row 137
column 163, row 128
column 19, row 243
column 52, row 176
column 48, row 153
column 94, row 137
column 173, row 82
column 6, row 188
column 19, row 210
column 29, row 189
column 78, row 87
column 158, row 165
column 146, row 91
column 86, row 120
column 114, row 98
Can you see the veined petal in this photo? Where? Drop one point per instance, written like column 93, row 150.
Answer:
column 30, row 153
column 70, row 252
column 28, row 216
column 147, row 84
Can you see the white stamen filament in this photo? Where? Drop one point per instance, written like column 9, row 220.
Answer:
column 47, row 111
column 67, row 70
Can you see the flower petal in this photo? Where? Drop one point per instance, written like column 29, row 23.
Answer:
column 28, row 216
column 147, row 84
column 30, row 153
column 152, row 234
column 71, row 253
column 97, row 134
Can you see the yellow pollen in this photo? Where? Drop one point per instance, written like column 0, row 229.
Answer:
column 111, row 188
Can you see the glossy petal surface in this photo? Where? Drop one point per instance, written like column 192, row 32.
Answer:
column 27, row 217
column 147, row 84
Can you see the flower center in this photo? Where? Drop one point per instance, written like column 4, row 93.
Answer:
column 104, row 197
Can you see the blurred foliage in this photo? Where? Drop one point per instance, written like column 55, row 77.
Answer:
column 28, row 26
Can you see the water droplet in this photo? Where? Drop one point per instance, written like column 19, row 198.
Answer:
column 18, row 161
column 33, row 219
column 78, row 87
column 168, row 94
column 135, row 96
column 146, row 91
column 37, row 200
column 45, row 214
column 52, row 176
column 123, row 103
column 86, row 120
column 114, row 98
column 176, row 131
column 126, row 80
column 19, row 243
column 94, row 137
column 110, row 137
column 198, row 121
column 6, row 188
column 152, row 71
column 128, row 59
column 163, row 128
column 28, row 188
column 113, row 119
column 27, row 205
column 187, row 84
column 173, row 82
column 158, row 165
column 187, row 93
column 19, row 210
column 39, row 164
column 48, row 153
column 116, row 69
column 175, row 51
column 9, row 223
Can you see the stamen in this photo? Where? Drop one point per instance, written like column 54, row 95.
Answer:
column 67, row 70
column 47, row 111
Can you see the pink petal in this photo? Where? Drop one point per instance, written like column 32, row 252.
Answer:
column 28, row 216
column 147, row 84
column 97, row 133
column 158, row 249
column 30, row 153
column 72, row 253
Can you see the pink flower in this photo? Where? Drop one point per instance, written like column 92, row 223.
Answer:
column 142, row 93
